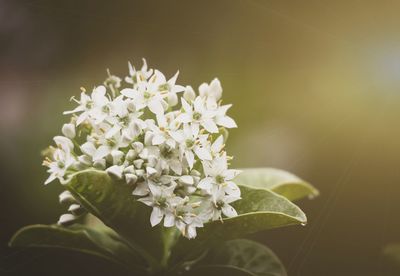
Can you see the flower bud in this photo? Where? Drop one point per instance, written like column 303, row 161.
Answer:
column 138, row 163
column 172, row 99
column 186, row 179
column 215, row 89
column 129, row 169
column 152, row 161
column 131, row 178
column 189, row 94
column 68, row 130
column 85, row 160
column 64, row 143
column 66, row 198
column 148, row 137
column 99, row 164
column 130, row 155
column 115, row 171
column 117, row 156
column 76, row 209
column 67, row 219
column 137, row 146
column 150, row 171
column 139, row 173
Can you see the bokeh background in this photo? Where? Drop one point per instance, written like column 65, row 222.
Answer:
column 315, row 87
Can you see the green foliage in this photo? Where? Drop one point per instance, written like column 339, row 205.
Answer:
column 247, row 255
column 112, row 202
column 259, row 209
column 211, row 270
column 279, row 181
column 129, row 240
column 103, row 243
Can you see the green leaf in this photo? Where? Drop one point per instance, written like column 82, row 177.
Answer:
column 259, row 210
column 113, row 203
column 247, row 255
column 105, row 244
column 279, row 181
column 218, row 270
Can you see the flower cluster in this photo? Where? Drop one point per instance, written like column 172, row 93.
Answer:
column 164, row 139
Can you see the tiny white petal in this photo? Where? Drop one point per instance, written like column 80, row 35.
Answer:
column 186, row 179
column 115, row 171
column 156, row 216
column 66, row 219
column 210, row 126
column 203, row 153
column 226, row 121
column 128, row 92
column 155, row 106
column 69, row 130
column 229, row 211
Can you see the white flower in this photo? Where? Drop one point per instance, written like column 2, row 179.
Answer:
column 211, row 91
column 198, row 114
column 172, row 158
column 59, row 164
column 218, row 175
column 94, row 106
column 138, row 75
column 158, row 199
column 143, row 97
column 159, row 83
column 182, row 215
column 220, row 204
column 192, row 144
column 163, row 131
column 222, row 119
column 109, row 145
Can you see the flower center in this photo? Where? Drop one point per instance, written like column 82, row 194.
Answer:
column 124, row 120
column 89, row 105
column 219, row 204
column 220, row 179
column 189, row 143
column 106, row 109
column 196, row 116
column 163, row 87
column 166, row 152
column 146, row 95
column 162, row 202
column 111, row 142
column 60, row 164
column 179, row 214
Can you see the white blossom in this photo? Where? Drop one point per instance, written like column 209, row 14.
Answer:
column 198, row 114
column 166, row 145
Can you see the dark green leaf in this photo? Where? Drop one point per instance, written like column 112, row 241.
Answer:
column 218, row 270
column 247, row 255
column 259, row 210
column 113, row 203
column 279, row 181
column 105, row 244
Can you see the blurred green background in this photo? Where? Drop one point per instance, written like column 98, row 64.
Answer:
column 315, row 87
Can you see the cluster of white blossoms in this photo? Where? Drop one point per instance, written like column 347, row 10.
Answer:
column 164, row 139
